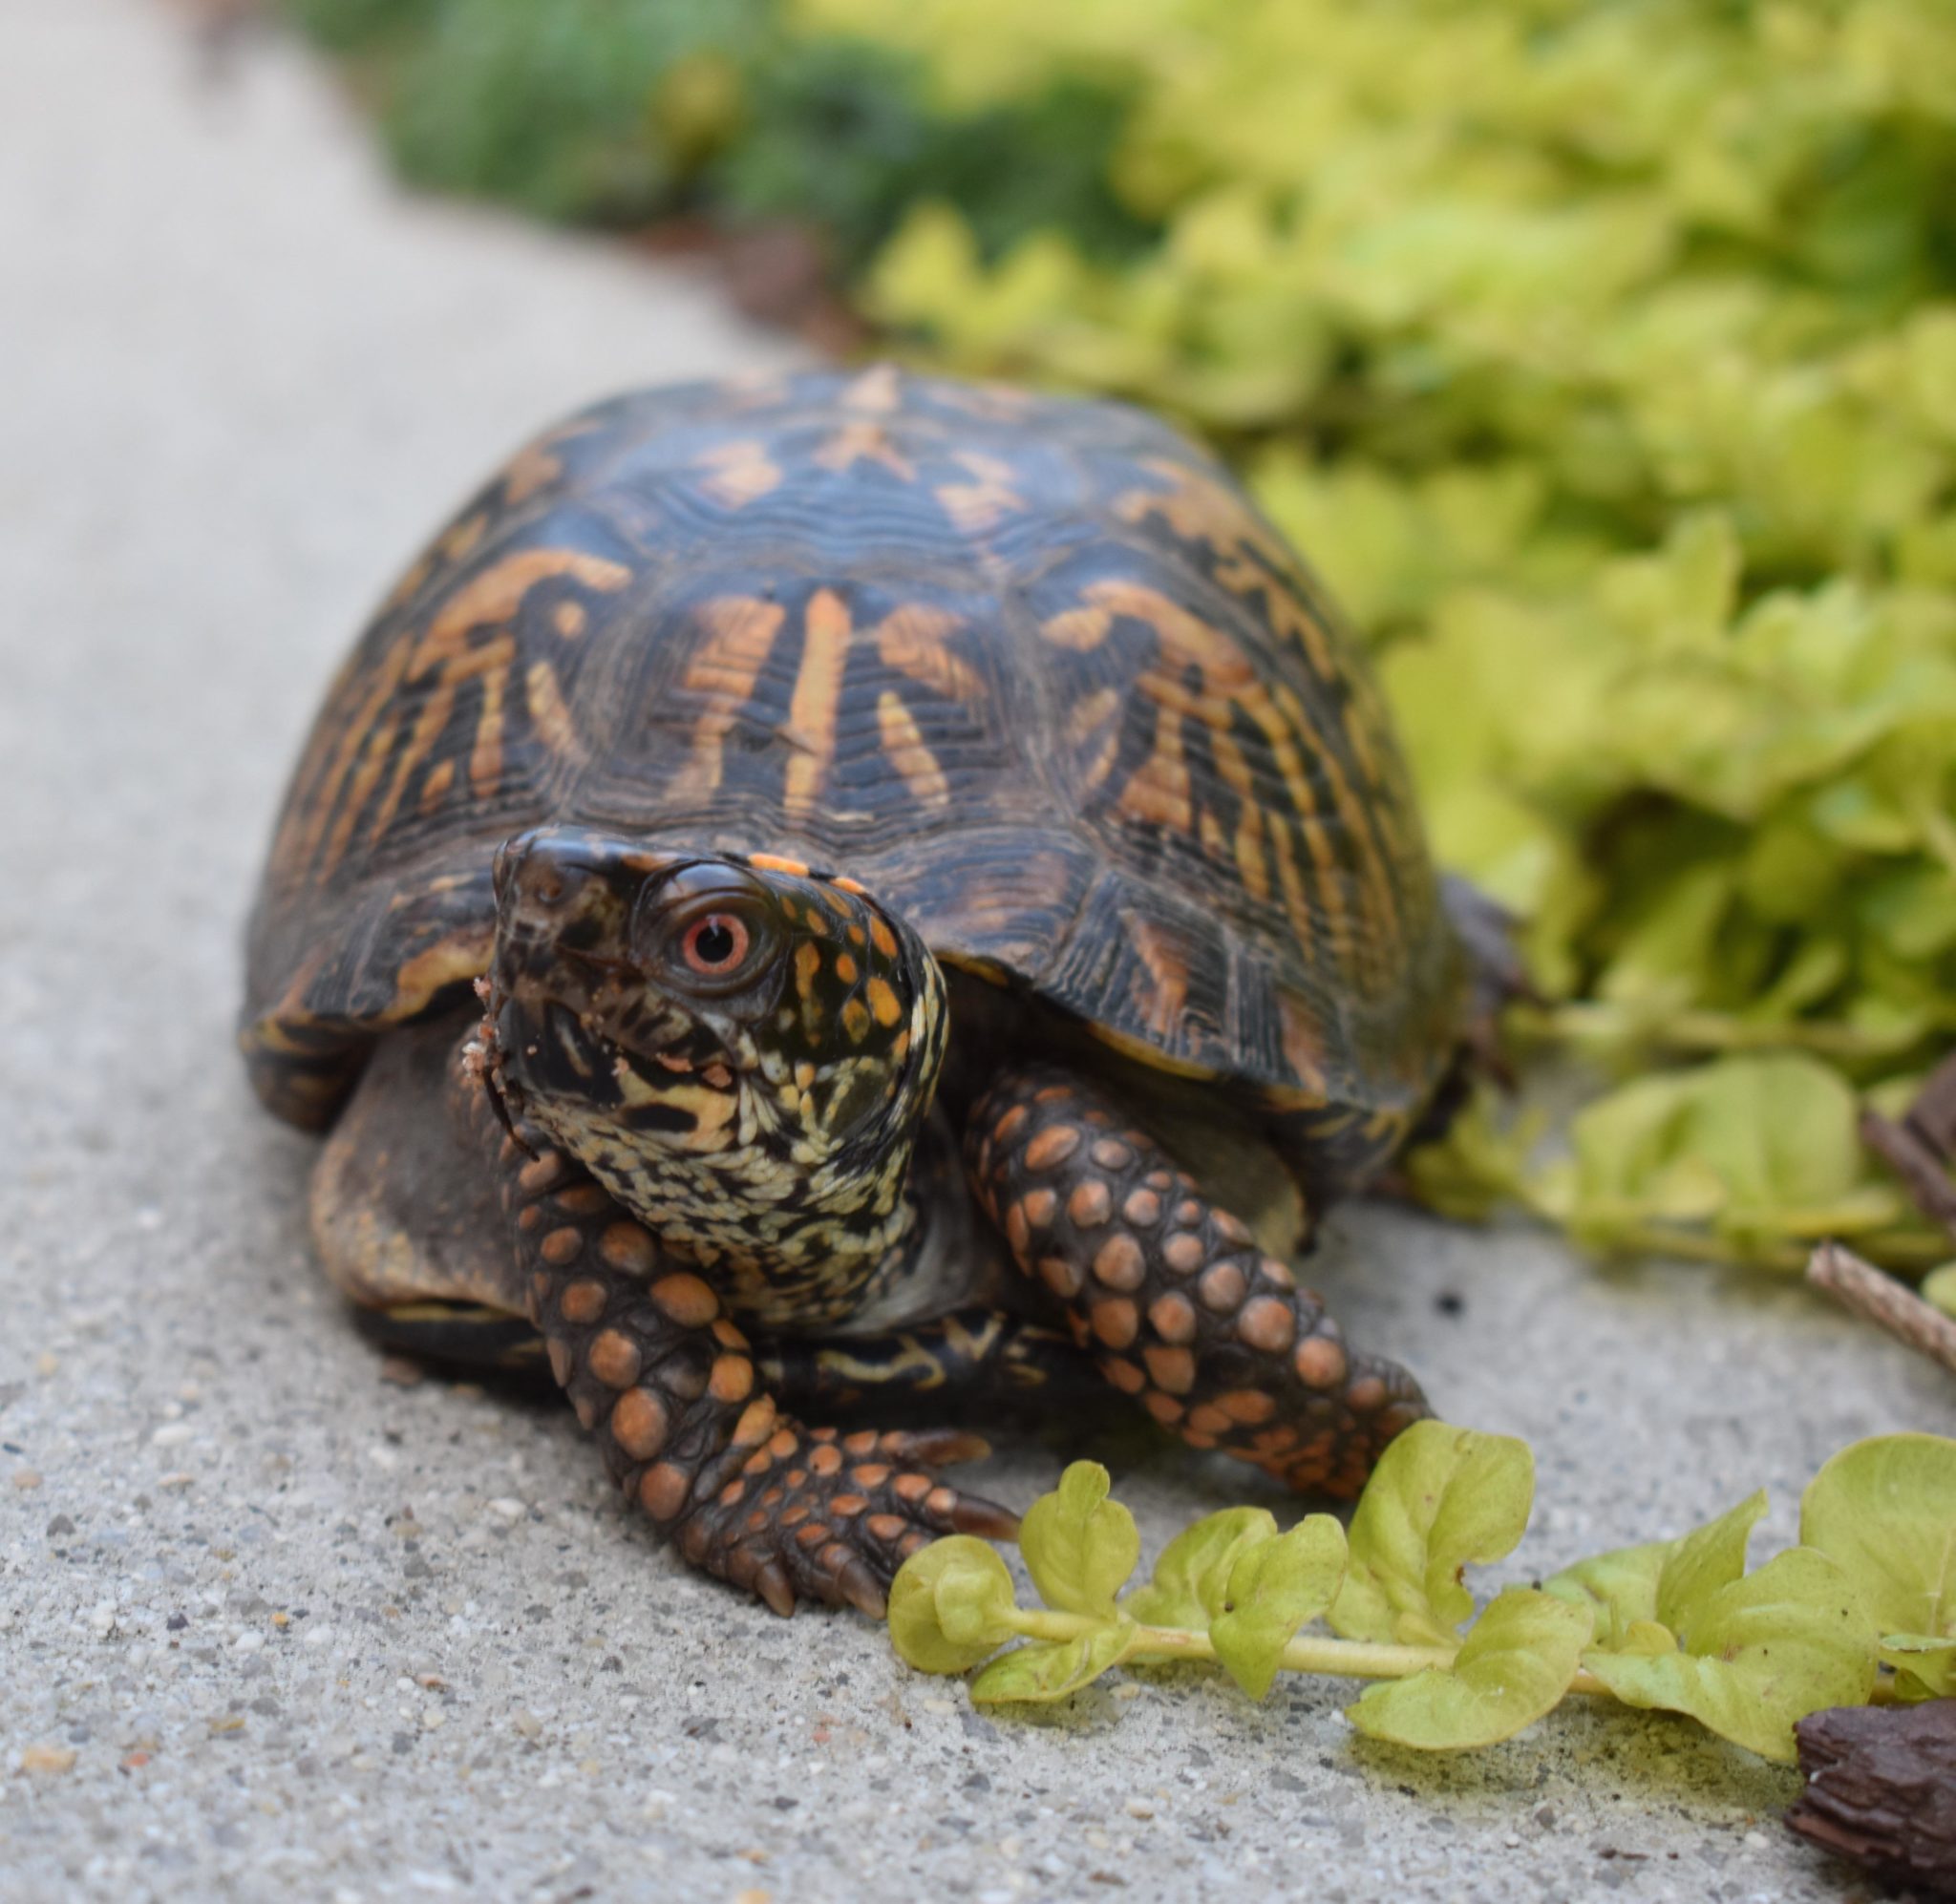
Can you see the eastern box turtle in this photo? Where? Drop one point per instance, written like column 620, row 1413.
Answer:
column 820, row 891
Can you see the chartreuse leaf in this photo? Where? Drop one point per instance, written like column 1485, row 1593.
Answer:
column 1515, row 1664
column 1938, row 1288
column 1924, row 1665
column 1620, row 1588
column 1191, row 1580
column 1080, row 1546
column 1886, row 1510
column 1656, row 1584
column 1753, row 1656
column 950, row 1605
column 1440, row 1499
column 1705, row 1560
column 1050, row 1669
column 1275, row 1587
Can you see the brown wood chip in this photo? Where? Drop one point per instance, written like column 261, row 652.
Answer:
column 1882, row 1789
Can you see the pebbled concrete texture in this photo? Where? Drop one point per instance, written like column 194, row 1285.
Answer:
column 274, row 1625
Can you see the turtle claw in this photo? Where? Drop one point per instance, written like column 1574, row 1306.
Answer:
column 934, row 1448
column 974, row 1515
column 858, row 1586
column 773, row 1585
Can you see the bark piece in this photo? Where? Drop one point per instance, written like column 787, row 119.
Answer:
column 1882, row 1789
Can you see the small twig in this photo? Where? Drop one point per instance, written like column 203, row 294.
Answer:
column 1895, row 1308
column 1919, row 1149
column 1915, row 1163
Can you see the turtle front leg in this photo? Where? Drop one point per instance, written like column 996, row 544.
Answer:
column 1171, row 1294
column 665, row 1381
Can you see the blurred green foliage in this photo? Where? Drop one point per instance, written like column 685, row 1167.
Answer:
column 1602, row 352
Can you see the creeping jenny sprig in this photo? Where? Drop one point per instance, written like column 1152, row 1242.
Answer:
column 1864, row 1608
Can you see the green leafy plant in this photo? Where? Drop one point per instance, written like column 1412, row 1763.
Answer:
column 1864, row 1608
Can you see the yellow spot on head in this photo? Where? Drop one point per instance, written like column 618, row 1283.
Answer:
column 846, row 969
column 883, row 1003
column 770, row 862
column 807, row 963
column 882, row 938
column 856, row 1020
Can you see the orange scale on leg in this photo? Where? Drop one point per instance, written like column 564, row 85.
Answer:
column 1118, row 1262
column 1184, row 1253
column 1266, row 1324
column 1115, row 1323
column 1051, row 1146
column 1172, row 1368
column 1173, row 1318
column 1248, row 1406
column 1040, row 1206
column 1060, row 1276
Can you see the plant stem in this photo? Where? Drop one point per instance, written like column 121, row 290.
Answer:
column 1339, row 1659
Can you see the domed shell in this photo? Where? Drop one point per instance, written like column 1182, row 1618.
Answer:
column 1032, row 670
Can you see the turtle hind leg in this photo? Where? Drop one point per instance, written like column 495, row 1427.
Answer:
column 1171, row 1295
column 407, row 1221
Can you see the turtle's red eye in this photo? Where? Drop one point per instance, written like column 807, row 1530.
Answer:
column 715, row 946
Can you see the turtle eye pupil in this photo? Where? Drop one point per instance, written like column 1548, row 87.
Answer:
column 717, row 943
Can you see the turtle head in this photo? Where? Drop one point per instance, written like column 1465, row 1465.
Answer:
column 725, row 1040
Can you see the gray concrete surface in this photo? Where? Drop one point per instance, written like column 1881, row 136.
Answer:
column 272, row 1626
